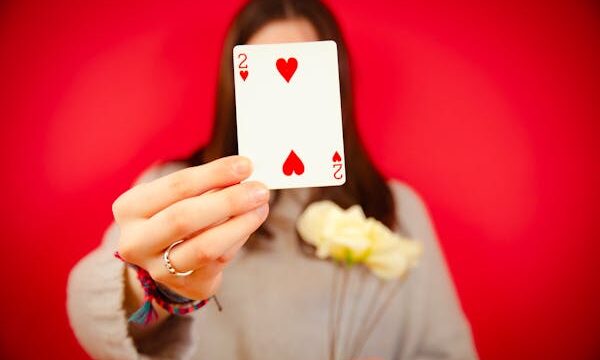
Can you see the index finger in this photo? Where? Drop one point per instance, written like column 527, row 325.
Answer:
column 147, row 199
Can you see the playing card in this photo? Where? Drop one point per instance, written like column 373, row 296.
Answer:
column 289, row 119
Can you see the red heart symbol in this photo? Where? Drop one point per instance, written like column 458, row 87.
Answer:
column 337, row 157
column 293, row 164
column 244, row 74
column 287, row 68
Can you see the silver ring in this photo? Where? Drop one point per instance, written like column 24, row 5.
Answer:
column 168, row 264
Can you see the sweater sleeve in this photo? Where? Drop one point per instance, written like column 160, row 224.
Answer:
column 95, row 294
column 436, row 327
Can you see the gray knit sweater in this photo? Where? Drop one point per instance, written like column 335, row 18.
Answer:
column 276, row 300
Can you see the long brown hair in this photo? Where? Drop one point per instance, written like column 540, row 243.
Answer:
column 364, row 184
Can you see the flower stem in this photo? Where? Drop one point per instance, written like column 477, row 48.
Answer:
column 333, row 311
column 378, row 313
column 355, row 308
column 343, row 292
column 368, row 311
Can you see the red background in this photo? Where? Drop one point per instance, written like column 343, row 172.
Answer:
column 489, row 111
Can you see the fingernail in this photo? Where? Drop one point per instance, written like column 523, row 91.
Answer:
column 261, row 210
column 241, row 166
column 260, row 194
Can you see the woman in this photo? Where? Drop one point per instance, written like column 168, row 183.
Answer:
column 273, row 290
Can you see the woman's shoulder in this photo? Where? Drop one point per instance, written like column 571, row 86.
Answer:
column 406, row 194
column 411, row 210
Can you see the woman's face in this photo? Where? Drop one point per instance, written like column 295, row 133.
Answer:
column 283, row 31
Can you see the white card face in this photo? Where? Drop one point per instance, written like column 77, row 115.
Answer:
column 289, row 119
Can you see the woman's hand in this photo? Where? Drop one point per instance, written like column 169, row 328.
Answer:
column 205, row 205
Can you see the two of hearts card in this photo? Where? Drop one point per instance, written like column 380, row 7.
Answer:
column 288, row 109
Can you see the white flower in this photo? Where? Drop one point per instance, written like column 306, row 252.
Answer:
column 347, row 235
column 391, row 254
column 333, row 231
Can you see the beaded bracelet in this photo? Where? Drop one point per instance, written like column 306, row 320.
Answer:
column 173, row 303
